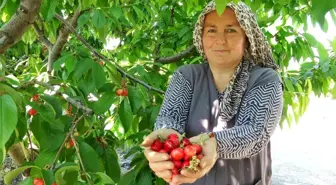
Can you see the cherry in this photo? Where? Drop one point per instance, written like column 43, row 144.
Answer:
column 190, row 151
column 177, row 154
column 32, row 112
column 35, row 97
column 157, row 145
column 38, row 181
column 169, row 145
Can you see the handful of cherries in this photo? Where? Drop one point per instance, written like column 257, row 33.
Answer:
column 182, row 152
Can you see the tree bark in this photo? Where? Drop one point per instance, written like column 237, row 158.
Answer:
column 62, row 39
column 13, row 30
column 177, row 57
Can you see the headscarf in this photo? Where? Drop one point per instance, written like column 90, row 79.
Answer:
column 258, row 53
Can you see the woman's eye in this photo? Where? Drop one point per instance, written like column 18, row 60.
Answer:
column 211, row 31
column 231, row 30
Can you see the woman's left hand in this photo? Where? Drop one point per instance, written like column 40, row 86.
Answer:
column 209, row 149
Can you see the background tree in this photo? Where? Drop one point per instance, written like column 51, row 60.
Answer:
column 67, row 102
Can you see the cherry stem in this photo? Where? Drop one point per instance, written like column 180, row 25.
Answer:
column 65, row 140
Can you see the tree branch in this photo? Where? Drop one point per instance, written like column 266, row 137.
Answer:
column 65, row 96
column 65, row 140
column 42, row 37
column 175, row 58
column 99, row 55
column 80, row 159
column 13, row 30
column 62, row 39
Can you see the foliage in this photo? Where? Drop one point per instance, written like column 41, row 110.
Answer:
column 79, row 95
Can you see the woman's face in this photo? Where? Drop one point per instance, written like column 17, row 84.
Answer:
column 224, row 41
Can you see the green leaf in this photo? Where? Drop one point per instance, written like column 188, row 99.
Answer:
column 48, row 9
column 104, row 103
column 138, row 12
column 160, row 181
column 29, row 36
column 220, row 6
column 320, row 8
column 114, row 75
column 289, row 85
column 90, row 158
column 333, row 44
column 98, row 75
column 128, row 178
column 17, row 96
column 27, row 181
column 323, row 53
column 116, row 12
column 2, row 155
column 69, row 177
column 111, row 164
column 333, row 92
column 105, row 179
column 126, row 115
column 66, row 168
column 136, row 99
column 83, row 19
column 48, row 176
column 12, row 174
column 54, row 103
column 8, row 118
column 98, row 18
column 85, row 4
column 45, row 158
column 13, row 80
column 311, row 39
column 183, row 32
column 61, row 60
column 145, row 177
column 82, row 67
column 70, row 63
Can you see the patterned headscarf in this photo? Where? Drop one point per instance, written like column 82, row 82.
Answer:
column 258, row 53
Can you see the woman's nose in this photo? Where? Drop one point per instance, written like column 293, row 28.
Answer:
column 221, row 38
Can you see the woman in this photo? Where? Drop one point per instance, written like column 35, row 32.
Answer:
column 236, row 94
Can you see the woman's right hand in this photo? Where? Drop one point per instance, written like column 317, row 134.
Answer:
column 159, row 162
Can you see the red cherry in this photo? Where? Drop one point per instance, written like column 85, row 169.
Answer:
column 35, row 97
column 125, row 92
column 173, row 135
column 200, row 156
column 177, row 164
column 198, row 148
column 176, row 142
column 32, row 112
column 71, row 142
column 120, row 92
column 101, row 63
column 168, row 145
column 175, row 171
column 54, row 183
column 163, row 151
column 177, row 154
column 185, row 164
column 190, row 151
column 38, row 181
column 157, row 145
column 186, row 142
column 186, row 158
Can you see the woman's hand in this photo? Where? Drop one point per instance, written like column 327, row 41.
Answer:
column 159, row 162
column 209, row 149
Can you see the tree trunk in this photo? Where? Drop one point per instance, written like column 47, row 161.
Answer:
column 13, row 30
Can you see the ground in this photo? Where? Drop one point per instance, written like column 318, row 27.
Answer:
column 305, row 154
